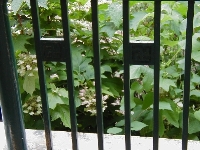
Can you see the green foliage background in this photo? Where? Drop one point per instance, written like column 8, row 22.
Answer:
column 173, row 31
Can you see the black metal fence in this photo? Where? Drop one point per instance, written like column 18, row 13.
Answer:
column 10, row 95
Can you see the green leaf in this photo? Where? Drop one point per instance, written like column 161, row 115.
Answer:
column 166, row 8
column 105, row 68
column 195, row 42
column 62, row 112
column 53, row 100
column 169, row 42
column 136, row 86
column 63, row 92
column 197, row 115
column 148, row 119
column 137, row 126
column 80, row 63
column 120, row 123
column 103, row 7
column 120, row 49
column 181, row 63
column 164, row 105
column 85, row 64
column 196, row 56
column 42, row 3
column 115, row 13
column 195, row 93
column 172, row 117
column 194, row 124
column 148, row 100
column 182, row 43
column 172, row 71
column 138, row 17
column 16, row 4
column 114, row 130
column 61, row 74
column 196, row 20
column 29, row 84
column 147, row 82
column 183, row 25
column 105, row 91
column 166, row 83
column 77, row 99
column 161, row 125
column 89, row 73
column 193, row 137
column 195, row 79
column 181, row 9
column 114, row 85
column 132, row 101
column 165, row 18
column 109, row 29
column 20, row 41
column 136, row 70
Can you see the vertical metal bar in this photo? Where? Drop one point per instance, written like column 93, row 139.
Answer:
column 70, row 78
column 186, row 95
column 126, row 74
column 41, row 72
column 97, row 70
column 157, row 12
column 9, row 89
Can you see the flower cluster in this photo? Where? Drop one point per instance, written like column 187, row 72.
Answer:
column 33, row 106
column 26, row 63
column 88, row 98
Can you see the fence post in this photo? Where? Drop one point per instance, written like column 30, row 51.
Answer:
column 9, row 90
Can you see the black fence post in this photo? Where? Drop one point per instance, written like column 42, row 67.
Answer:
column 9, row 90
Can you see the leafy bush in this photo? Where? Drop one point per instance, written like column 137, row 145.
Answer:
column 173, row 25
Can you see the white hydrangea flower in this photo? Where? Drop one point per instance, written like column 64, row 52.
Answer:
column 28, row 67
column 31, row 113
column 38, row 99
column 105, row 97
column 25, row 111
column 29, row 108
column 33, row 56
column 20, row 62
column 53, row 76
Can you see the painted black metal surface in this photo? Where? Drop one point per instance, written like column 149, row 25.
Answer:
column 141, row 53
column 53, row 49
column 97, row 71
column 41, row 73
column 157, row 12
column 70, row 78
column 188, row 51
column 9, row 87
column 126, row 74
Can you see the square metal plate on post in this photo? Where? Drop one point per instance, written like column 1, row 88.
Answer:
column 142, row 53
column 53, row 49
